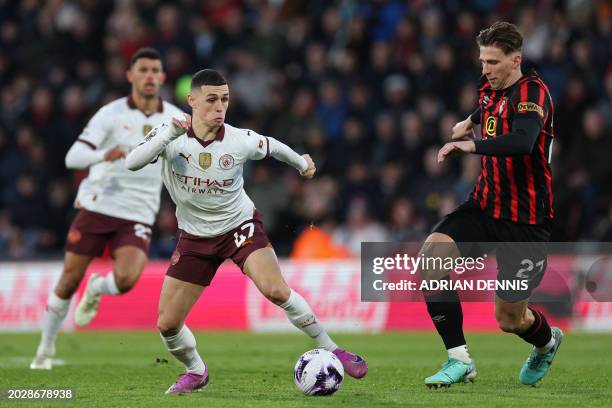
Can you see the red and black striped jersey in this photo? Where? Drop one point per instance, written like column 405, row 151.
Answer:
column 516, row 188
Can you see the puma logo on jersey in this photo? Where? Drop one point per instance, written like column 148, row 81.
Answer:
column 184, row 157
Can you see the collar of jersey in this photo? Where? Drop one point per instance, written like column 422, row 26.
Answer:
column 527, row 75
column 132, row 104
column 219, row 136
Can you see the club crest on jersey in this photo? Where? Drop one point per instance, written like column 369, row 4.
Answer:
column 226, row 162
column 146, row 129
column 491, row 125
column 502, row 105
column 205, row 160
column 530, row 107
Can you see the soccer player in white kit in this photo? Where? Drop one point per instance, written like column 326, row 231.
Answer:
column 117, row 207
column 202, row 160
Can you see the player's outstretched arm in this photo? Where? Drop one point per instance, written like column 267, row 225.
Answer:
column 155, row 142
column 519, row 141
column 284, row 153
column 81, row 155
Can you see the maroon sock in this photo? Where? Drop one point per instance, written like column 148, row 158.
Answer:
column 539, row 334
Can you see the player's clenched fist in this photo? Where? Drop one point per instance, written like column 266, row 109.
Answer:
column 310, row 170
column 180, row 126
column 114, row 154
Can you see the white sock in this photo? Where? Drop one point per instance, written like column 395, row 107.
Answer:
column 547, row 347
column 105, row 285
column 183, row 346
column 55, row 314
column 300, row 314
column 460, row 353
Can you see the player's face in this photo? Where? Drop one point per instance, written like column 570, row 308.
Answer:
column 209, row 104
column 146, row 77
column 497, row 66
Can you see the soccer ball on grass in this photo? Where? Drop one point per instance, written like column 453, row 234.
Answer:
column 318, row 372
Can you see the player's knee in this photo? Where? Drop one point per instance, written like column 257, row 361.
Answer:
column 277, row 294
column 125, row 282
column 436, row 246
column 167, row 327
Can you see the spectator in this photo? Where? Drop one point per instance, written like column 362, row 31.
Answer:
column 369, row 89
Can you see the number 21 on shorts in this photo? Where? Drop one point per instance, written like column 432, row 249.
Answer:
column 527, row 267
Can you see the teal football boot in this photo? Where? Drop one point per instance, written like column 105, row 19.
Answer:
column 453, row 371
column 538, row 364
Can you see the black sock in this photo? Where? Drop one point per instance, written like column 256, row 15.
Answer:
column 445, row 311
column 539, row 334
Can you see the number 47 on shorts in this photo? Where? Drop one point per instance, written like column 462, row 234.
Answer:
column 240, row 239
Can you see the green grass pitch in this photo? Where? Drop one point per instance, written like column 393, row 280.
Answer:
column 121, row 369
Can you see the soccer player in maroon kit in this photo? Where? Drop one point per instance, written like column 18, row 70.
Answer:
column 512, row 202
column 117, row 207
column 218, row 221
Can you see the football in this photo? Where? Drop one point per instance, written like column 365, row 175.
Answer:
column 318, row 372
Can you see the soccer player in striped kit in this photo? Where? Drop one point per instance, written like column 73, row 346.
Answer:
column 512, row 202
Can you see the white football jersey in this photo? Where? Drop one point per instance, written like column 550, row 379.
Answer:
column 110, row 188
column 205, row 179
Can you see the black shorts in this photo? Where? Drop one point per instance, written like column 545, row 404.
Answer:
column 520, row 249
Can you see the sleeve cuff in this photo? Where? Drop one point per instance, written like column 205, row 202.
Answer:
column 89, row 144
column 303, row 164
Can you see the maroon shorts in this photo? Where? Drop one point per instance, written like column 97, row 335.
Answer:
column 90, row 232
column 196, row 259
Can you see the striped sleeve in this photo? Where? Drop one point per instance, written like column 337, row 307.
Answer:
column 530, row 102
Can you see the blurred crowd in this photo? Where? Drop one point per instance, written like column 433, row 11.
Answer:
column 371, row 89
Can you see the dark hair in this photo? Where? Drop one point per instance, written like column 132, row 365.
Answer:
column 502, row 35
column 207, row 77
column 146, row 52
